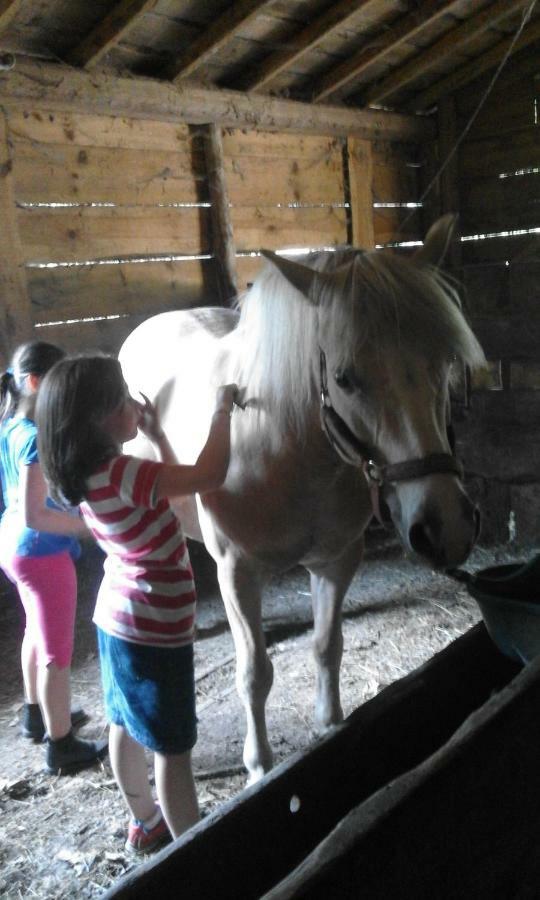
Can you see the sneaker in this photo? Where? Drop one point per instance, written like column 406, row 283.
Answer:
column 33, row 726
column 145, row 840
column 70, row 754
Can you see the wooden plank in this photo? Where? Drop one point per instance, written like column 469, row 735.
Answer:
column 394, row 731
column 449, row 171
column 458, row 38
column 499, row 114
column 292, row 182
column 397, row 224
column 498, row 204
column 105, row 336
column 44, row 126
column 256, row 227
column 393, row 37
column 215, row 35
column 54, row 173
column 337, row 16
column 108, row 32
column 499, row 251
column 297, row 147
column 496, row 155
column 90, row 233
column 58, row 88
column 223, row 246
column 503, row 433
column 16, row 316
column 143, row 288
column 360, row 163
column 8, row 11
column 478, row 840
column 463, row 76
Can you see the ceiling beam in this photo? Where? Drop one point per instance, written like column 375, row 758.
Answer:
column 8, row 9
column 455, row 40
column 59, row 88
column 108, row 32
column 380, row 45
column 469, row 72
column 215, row 36
column 335, row 17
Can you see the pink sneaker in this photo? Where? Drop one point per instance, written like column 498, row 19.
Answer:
column 145, row 840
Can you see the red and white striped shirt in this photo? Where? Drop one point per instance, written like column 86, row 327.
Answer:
column 147, row 595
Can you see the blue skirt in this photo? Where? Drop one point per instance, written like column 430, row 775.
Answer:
column 150, row 691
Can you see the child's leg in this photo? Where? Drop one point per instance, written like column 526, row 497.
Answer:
column 29, row 665
column 176, row 792
column 128, row 761
column 55, row 699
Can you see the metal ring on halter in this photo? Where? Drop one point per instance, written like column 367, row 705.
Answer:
column 373, row 473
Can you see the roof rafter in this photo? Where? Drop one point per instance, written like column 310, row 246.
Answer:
column 8, row 9
column 335, row 17
column 212, row 39
column 404, row 30
column 469, row 30
column 469, row 72
column 108, row 32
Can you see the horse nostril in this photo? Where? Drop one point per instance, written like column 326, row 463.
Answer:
column 419, row 540
column 424, row 540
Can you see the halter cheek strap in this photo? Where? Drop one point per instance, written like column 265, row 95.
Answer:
column 356, row 453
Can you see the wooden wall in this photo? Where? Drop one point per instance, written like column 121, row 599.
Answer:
column 497, row 189
column 111, row 221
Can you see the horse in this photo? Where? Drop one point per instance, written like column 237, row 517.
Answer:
column 344, row 360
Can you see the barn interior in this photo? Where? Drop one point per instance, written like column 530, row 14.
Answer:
column 150, row 148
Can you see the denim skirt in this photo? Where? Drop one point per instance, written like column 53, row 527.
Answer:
column 150, row 691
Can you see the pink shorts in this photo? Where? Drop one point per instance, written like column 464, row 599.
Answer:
column 47, row 586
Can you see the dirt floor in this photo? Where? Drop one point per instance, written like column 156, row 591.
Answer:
column 63, row 837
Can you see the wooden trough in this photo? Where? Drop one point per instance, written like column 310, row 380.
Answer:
column 430, row 789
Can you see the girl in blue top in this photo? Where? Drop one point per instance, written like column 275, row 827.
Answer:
column 37, row 547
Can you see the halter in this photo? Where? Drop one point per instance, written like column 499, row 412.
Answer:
column 356, row 453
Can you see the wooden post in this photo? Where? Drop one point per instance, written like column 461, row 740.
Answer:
column 449, row 184
column 222, row 230
column 360, row 163
column 15, row 315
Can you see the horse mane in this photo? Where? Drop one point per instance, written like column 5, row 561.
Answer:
column 380, row 297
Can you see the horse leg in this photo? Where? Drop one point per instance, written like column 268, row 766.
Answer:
column 241, row 592
column 329, row 585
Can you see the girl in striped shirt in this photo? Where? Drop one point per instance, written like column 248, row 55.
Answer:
column 146, row 602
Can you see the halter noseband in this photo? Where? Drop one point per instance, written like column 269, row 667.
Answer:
column 356, row 453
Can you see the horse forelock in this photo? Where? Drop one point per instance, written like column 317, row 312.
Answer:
column 372, row 298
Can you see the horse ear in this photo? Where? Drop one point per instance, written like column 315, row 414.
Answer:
column 437, row 242
column 301, row 277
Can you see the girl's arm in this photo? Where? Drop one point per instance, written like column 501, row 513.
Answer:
column 33, row 495
column 209, row 472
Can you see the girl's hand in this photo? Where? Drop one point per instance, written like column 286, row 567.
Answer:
column 225, row 397
column 149, row 422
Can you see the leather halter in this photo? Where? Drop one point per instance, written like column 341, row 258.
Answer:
column 356, row 453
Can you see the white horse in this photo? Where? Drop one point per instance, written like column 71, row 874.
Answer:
column 362, row 344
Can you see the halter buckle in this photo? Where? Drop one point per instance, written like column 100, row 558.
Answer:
column 373, row 473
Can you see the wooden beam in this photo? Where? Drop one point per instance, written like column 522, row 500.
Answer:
column 449, row 176
column 8, row 10
column 405, row 30
column 55, row 87
column 223, row 246
column 337, row 16
column 455, row 40
column 215, row 36
column 108, row 32
column 15, row 317
column 360, row 166
column 488, row 60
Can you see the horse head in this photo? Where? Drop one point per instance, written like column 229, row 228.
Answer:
column 390, row 336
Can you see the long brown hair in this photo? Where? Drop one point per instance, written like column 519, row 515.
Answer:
column 73, row 400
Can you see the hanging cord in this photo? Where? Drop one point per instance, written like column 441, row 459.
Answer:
column 527, row 13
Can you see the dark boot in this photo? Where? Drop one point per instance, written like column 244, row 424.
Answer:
column 70, row 754
column 33, row 726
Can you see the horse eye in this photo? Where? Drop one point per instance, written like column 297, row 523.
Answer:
column 343, row 380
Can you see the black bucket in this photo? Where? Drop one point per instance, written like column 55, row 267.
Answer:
column 509, row 600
